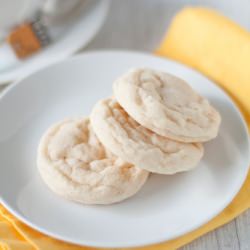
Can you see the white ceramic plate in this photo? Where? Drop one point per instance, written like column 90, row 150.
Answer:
column 166, row 207
column 76, row 36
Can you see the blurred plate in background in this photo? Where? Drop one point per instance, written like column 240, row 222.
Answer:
column 75, row 36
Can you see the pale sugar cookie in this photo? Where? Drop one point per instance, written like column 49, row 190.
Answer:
column 75, row 165
column 133, row 143
column 167, row 105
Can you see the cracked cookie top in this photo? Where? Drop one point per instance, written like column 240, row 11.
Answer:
column 74, row 164
column 133, row 143
column 167, row 105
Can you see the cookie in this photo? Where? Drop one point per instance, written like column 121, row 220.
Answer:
column 74, row 164
column 133, row 143
column 167, row 105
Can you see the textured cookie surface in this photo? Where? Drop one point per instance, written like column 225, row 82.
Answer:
column 126, row 138
column 75, row 165
column 167, row 105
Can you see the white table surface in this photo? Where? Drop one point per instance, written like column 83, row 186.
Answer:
column 140, row 25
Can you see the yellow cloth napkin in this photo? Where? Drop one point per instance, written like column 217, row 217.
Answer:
column 215, row 46
column 220, row 49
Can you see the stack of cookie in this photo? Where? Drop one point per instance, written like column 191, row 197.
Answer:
column 154, row 123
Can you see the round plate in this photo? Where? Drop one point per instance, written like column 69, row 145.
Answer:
column 75, row 37
column 166, row 207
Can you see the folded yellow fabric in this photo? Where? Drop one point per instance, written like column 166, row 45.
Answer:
column 220, row 49
column 214, row 45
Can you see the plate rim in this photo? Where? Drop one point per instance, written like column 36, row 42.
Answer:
column 145, row 242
